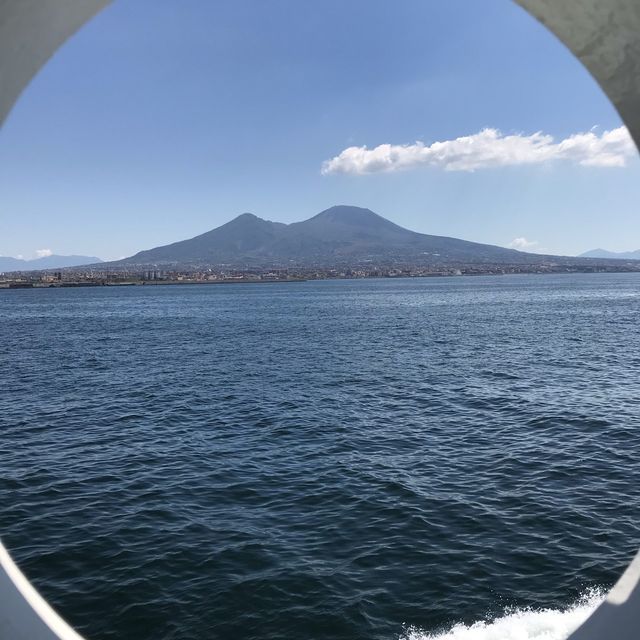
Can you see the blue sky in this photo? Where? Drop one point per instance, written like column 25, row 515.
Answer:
column 163, row 119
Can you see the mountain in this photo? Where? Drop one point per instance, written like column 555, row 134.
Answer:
column 338, row 235
column 611, row 255
column 48, row 262
column 246, row 235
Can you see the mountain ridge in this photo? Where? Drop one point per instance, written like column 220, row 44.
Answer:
column 54, row 261
column 611, row 255
column 336, row 235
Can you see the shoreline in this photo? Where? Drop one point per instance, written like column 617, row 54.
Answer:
column 21, row 285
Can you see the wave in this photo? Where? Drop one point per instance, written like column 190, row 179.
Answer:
column 521, row 624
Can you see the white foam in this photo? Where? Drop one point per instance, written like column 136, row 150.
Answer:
column 520, row 624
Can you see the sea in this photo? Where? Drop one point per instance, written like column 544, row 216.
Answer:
column 393, row 459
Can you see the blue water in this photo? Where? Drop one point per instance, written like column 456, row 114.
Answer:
column 333, row 460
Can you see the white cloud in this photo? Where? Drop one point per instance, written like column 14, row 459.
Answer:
column 43, row 253
column 488, row 149
column 522, row 244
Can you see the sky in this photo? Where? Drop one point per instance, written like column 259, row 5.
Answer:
column 161, row 119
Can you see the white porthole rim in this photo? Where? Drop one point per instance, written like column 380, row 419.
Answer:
column 603, row 34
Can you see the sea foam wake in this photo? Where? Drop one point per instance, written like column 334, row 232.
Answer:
column 521, row 624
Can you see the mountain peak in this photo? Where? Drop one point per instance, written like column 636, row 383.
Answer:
column 341, row 216
column 246, row 221
column 246, row 216
column 346, row 212
column 339, row 235
column 347, row 208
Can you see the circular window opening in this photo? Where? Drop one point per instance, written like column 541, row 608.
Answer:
column 336, row 448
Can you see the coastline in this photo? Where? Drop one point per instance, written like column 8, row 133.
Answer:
column 69, row 284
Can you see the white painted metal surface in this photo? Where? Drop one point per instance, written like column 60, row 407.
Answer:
column 24, row 614
column 618, row 617
column 603, row 34
column 30, row 33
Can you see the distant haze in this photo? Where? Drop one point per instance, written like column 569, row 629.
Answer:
column 46, row 262
column 611, row 255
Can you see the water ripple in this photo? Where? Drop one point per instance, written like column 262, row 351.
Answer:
column 419, row 459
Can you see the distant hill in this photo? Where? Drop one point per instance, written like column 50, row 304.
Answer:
column 339, row 235
column 48, row 262
column 611, row 255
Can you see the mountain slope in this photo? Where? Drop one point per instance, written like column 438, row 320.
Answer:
column 611, row 255
column 243, row 236
column 47, row 262
column 337, row 235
